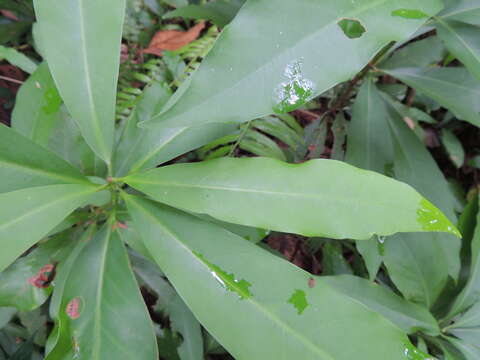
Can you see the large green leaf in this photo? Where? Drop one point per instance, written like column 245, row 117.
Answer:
column 465, row 10
column 102, row 314
column 454, row 88
column 141, row 149
column 331, row 199
column 37, row 107
column 291, row 64
column 370, row 147
column 409, row 317
column 81, row 43
column 257, row 305
column 29, row 214
column 463, row 41
column 408, row 256
column 25, row 164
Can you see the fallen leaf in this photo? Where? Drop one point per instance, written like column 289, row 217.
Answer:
column 173, row 39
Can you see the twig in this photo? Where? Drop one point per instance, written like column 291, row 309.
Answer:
column 6, row 78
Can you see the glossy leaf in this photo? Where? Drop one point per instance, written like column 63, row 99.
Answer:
column 16, row 58
column 25, row 164
column 462, row 40
column 74, row 42
column 281, row 315
column 29, row 214
column 102, row 314
column 141, row 149
column 25, row 284
column 37, row 107
column 454, row 88
column 292, row 63
column 265, row 193
column 469, row 351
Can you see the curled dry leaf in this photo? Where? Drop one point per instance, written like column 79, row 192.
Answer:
column 173, row 39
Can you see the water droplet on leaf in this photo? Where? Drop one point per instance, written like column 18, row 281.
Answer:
column 412, row 353
column 432, row 219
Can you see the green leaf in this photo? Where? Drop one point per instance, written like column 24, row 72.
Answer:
column 25, row 164
column 29, row 214
column 370, row 144
column 23, row 284
column 16, row 58
column 333, row 261
column 467, row 11
column 453, row 88
column 454, row 148
column 469, row 351
column 184, row 322
column 348, row 203
column 471, row 292
column 88, row 41
column 220, row 12
column 268, row 293
column 420, row 53
column 410, row 14
column 408, row 257
column 141, row 149
column 289, row 67
column 409, row 317
column 462, row 40
column 67, row 142
column 102, row 313
column 37, row 107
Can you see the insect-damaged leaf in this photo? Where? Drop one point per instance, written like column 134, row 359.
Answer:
column 283, row 313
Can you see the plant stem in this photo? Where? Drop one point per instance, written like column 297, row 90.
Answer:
column 6, row 78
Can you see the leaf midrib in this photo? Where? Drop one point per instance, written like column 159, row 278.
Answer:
column 336, row 198
column 43, row 172
column 88, row 82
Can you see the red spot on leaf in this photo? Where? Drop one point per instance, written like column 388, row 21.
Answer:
column 44, row 277
column 73, row 308
column 311, row 283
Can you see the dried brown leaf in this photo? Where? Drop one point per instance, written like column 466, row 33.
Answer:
column 173, row 39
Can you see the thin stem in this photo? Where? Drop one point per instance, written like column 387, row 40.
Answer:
column 6, row 78
column 240, row 138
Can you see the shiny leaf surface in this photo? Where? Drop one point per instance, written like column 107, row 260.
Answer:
column 291, row 64
column 281, row 315
column 266, row 193
column 29, row 214
column 102, row 314
column 70, row 37
column 33, row 165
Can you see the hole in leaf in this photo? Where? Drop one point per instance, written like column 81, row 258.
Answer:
column 410, row 14
column 352, row 28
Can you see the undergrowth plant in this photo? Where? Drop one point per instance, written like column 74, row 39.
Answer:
column 97, row 208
